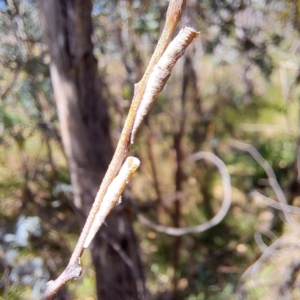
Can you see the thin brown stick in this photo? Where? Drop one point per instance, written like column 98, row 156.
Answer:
column 174, row 13
column 175, row 8
column 216, row 219
column 179, row 178
column 154, row 169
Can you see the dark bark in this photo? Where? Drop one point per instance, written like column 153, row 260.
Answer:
column 161, row 210
column 179, row 147
column 84, row 126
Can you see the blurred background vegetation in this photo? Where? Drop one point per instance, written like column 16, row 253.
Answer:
column 238, row 81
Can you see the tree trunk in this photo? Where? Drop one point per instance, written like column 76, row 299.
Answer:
column 84, row 124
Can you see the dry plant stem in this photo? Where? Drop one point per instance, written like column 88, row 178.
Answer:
column 73, row 269
column 113, row 195
column 150, row 144
column 173, row 16
column 161, row 72
column 259, row 241
column 280, row 245
column 179, row 148
column 174, row 12
column 270, row 173
column 216, row 219
column 253, row 269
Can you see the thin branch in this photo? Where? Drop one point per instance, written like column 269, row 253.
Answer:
column 174, row 13
column 161, row 72
column 268, row 252
column 251, row 271
column 259, row 241
column 112, row 196
column 274, row 204
column 216, row 219
column 270, row 173
column 271, row 250
column 287, row 210
column 154, row 169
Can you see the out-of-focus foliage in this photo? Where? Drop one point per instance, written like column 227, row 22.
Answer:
column 241, row 83
column 33, row 168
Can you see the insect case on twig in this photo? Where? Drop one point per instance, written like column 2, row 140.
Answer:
column 161, row 72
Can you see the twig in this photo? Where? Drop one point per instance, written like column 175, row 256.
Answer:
column 174, row 13
column 216, row 219
column 274, row 204
column 281, row 205
column 178, row 146
column 270, row 173
column 160, row 74
column 149, row 141
column 259, row 241
column 253, row 269
column 271, row 250
column 112, row 196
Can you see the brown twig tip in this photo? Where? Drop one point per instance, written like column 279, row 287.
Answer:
column 175, row 10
